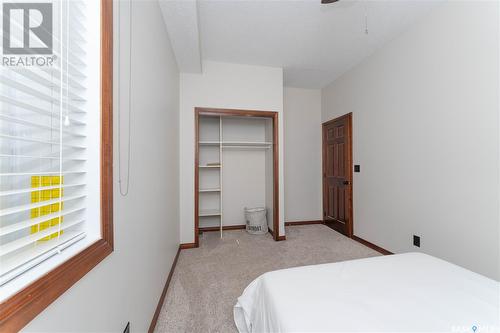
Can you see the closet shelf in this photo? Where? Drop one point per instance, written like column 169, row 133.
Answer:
column 209, row 166
column 209, row 212
column 209, row 143
column 235, row 143
column 246, row 143
column 206, row 190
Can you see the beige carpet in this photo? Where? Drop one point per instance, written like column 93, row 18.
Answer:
column 208, row 280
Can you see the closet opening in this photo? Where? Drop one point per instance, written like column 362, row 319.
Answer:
column 236, row 166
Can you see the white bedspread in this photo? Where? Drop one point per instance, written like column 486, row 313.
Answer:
column 410, row 292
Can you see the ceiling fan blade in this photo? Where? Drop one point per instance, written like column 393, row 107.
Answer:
column 328, row 1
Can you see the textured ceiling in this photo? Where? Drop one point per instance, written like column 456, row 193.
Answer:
column 313, row 43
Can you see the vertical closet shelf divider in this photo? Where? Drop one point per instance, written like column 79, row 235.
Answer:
column 221, row 161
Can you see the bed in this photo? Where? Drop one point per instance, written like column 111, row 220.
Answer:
column 397, row 293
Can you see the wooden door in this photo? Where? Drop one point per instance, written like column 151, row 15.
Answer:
column 337, row 174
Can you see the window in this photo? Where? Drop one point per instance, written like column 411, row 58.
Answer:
column 55, row 151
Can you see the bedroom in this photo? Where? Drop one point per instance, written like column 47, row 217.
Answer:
column 218, row 106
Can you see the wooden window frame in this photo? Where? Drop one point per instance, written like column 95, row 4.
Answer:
column 21, row 308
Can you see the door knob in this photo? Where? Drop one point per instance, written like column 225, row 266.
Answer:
column 346, row 182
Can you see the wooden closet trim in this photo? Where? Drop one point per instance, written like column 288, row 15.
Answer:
column 22, row 307
column 202, row 111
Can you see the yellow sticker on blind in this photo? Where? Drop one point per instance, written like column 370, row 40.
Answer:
column 40, row 195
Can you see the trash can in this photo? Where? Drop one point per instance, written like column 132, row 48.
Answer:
column 256, row 221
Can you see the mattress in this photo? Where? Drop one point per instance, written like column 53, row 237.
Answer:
column 410, row 292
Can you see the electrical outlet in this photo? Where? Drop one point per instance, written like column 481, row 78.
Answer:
column 416, row 241
column 127, row 328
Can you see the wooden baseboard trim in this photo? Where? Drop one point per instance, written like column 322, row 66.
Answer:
column 371, row 245
column 279, row 238
column 185, row 246
column 227, row 227
column 288, row 224
column 163, row 294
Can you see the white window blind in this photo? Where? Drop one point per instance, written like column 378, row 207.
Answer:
column 44, row 131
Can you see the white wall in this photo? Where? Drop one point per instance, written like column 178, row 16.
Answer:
column 248, row 190
column 303, row 189
column 230, row 86
column 425, row 112
column 126, row 286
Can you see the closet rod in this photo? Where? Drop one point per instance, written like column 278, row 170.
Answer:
column 246, row 147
